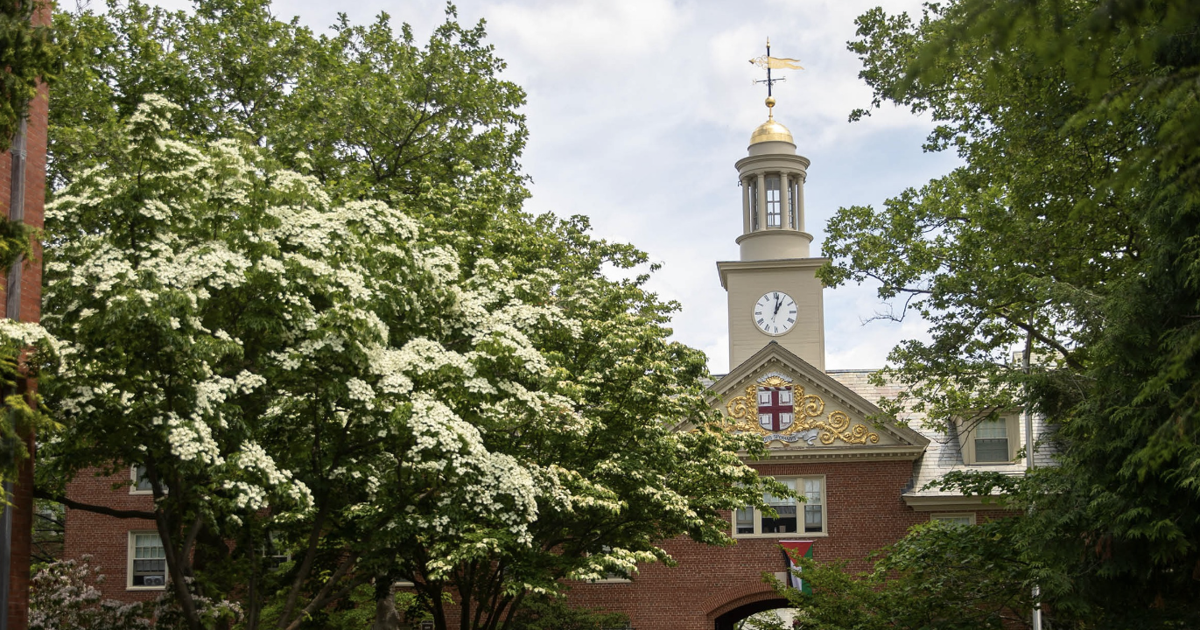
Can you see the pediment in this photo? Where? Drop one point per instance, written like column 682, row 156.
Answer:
column 801, row 412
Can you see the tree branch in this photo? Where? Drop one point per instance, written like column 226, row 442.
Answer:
column 1042, row 338
column 88, row 507
column 324, row 597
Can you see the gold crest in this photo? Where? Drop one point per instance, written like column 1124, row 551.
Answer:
column 808, row 410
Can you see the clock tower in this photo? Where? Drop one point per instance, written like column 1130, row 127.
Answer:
column 774, row 294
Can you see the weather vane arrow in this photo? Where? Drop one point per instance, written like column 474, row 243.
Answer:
column 768, row 63
column 777, row 63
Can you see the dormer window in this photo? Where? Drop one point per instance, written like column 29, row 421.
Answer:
column 991, row 441
column 774, row 213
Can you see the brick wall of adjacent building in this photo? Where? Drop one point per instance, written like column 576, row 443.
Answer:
column 106, row 538
column 30, row 310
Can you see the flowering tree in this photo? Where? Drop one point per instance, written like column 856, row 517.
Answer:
column 66, row 594
column 321, row 378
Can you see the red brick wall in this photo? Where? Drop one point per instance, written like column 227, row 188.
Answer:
column 106, row 538
column 30, row 311
column 865, row 511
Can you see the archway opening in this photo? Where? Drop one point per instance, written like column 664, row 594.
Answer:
column 729, row 620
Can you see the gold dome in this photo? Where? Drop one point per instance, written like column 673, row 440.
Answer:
column 771, row 131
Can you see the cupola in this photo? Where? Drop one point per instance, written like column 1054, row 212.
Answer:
column 772, row 178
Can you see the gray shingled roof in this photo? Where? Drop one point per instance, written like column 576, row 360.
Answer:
column 944, row 453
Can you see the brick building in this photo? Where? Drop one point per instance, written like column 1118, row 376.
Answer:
column 22, row 198
column 863, row 481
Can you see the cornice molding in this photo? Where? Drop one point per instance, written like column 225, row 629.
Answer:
column 727, row 266
column 944, row 503
column 825, row 454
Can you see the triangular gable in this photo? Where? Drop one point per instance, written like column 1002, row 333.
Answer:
column 801, row 412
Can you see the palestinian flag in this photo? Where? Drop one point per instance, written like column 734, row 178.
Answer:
column 793, row 549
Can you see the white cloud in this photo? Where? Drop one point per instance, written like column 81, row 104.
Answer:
column 638, row 109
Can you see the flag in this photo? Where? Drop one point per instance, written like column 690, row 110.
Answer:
column 793, row 549
column 777, row 63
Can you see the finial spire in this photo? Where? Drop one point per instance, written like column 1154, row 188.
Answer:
column 768, row 62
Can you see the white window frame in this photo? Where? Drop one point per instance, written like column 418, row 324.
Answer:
column 757, row 516
column 133, row 475
column 953, row 517
column 129, row 564
column 966, row 437
column 774, row 208
column 610, row 577
column 271, row 554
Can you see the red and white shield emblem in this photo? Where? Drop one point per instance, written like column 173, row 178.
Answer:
column 775, row 410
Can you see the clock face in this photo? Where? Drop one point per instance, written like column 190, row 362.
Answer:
column 775, row 313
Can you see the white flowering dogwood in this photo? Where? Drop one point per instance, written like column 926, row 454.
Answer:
column 337, row 381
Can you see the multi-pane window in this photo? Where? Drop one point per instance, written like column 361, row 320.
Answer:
column 791, row 516
column 275, row 553
column 814, row 517
column 744, row 520
column 148, row 560
column 141, row 482
column 991, row 440
column 753, row 203
column 774, row 214
column 794, row 202
column 957, row 519
column 784, row 522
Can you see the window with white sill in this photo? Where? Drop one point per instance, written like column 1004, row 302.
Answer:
column 792, row 516
column 147, row 561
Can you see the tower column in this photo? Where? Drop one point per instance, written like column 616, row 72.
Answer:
column 762, row 201
column 785, row 199
column 746, row 222
column 800, row 201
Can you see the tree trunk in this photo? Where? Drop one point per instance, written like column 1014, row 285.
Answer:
column 386, row 617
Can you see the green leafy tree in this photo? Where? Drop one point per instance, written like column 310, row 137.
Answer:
column 496, row 328
column 941, row 576
column 548, row 613
column 1069, row 237
column 288, row 365
column 29, row 56
column 365, row 110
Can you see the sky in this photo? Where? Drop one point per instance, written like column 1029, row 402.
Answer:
column 638, row 109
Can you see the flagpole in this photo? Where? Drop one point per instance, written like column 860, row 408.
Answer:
column 1036, row 617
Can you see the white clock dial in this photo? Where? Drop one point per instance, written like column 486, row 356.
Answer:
column 775, row 313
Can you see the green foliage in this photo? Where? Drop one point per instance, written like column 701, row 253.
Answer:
column 546, row 613
column 941, row 576
column 340, row 285
column 1069, row 235
column 24, row 351
column 29, row 56
column 367, row 111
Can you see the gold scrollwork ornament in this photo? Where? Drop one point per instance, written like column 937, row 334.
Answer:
column 743, row 412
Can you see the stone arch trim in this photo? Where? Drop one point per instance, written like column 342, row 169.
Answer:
column 749, row 599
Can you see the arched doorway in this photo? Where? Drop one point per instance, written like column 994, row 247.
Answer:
column 726, row 620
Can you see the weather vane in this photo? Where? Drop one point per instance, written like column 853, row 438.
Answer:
column 777, row 63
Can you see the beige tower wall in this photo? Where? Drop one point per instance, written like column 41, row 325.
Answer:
column 747, row 281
